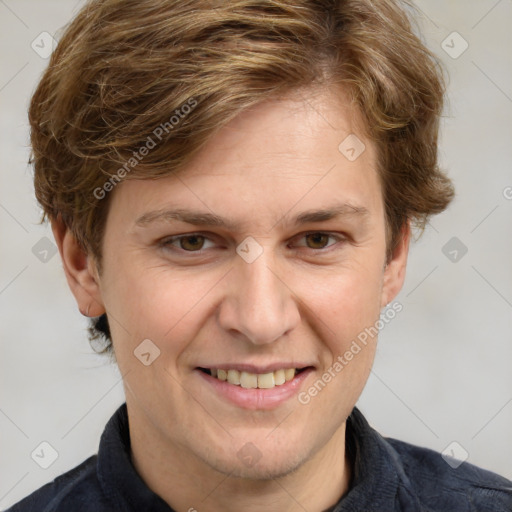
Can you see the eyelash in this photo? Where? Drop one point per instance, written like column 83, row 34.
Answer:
column 167, row 242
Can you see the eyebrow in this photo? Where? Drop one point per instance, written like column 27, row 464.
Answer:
column 210, row 219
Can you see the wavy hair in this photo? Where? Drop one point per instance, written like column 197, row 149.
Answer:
column 122, row 68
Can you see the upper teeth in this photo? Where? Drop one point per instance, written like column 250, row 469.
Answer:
column 254, row 380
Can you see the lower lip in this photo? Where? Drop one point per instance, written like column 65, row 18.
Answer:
column 256, row 399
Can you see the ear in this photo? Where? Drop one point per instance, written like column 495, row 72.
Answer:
column 80, row 269
column 394, row 271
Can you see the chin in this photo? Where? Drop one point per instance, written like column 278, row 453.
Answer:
column 258, row 464
column 260, row 471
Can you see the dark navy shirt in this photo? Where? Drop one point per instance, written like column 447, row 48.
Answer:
column 388, row 476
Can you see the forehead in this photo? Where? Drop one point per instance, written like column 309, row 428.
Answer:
column 286, row 151
column 282, row 135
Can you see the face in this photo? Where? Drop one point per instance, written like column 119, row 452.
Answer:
column 265, row 258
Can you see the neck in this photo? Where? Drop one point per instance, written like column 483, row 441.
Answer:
column 316, row 485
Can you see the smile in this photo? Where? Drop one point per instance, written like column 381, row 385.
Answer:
column 248, row 380
column 253, row 388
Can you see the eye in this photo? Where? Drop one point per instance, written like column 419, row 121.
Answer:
column 190, row 243
column 319, row 240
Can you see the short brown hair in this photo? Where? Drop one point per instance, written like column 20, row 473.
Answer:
column 123, row 69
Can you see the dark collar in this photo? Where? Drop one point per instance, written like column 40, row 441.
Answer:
column 116, row 473
column 376, row 470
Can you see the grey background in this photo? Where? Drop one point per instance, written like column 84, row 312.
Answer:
column 442, row 370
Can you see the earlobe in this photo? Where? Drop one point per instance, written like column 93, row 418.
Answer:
column 80, row 269
column 394, row 273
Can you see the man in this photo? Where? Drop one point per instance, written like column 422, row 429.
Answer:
column 232, row 187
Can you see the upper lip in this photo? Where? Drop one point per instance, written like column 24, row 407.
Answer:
column 251, row 368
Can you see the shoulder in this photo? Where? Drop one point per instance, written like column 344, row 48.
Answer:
column 78, row 490
column 438, row 485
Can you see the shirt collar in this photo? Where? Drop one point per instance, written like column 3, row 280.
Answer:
column 117, row 476
column 376, row 470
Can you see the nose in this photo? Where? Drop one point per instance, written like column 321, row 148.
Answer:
column 259, row 304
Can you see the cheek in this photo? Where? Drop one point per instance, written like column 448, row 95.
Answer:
column 343, row 308
column 157, row 303
column 344, row 299
column 344, row 313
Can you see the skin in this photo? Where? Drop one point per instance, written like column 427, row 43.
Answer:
column 303, row 300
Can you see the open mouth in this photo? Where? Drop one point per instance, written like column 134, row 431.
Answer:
column 249, row 380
